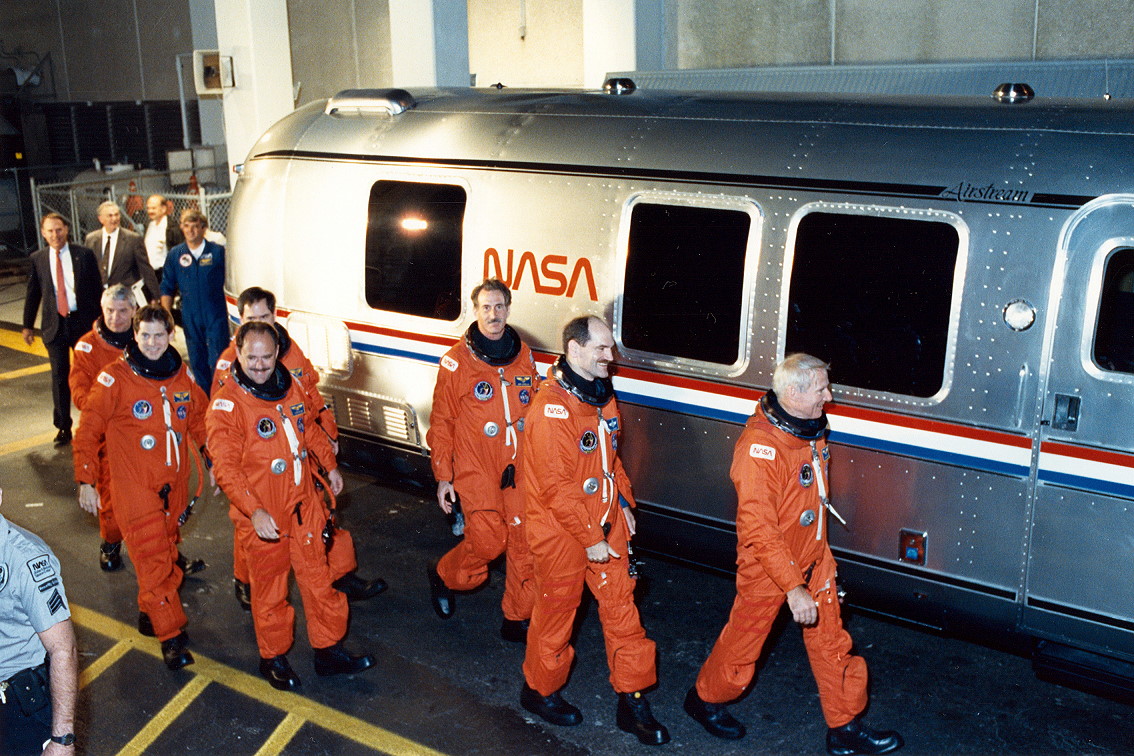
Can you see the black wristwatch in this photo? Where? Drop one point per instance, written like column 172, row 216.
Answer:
column 65, row 740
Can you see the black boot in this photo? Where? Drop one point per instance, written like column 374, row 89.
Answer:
column 634, row 716
column 444, row 602
column 190, row 566
column 279, row 673
column 551, row 708
column 357, row 589
column 855, row 737
column 334, row 660
column 145, row 627
column 110, row 556
column 713, row 717
column 243, row 593
column 175, row 651
column 514, row 631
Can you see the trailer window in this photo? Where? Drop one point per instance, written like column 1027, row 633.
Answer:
column 1114, row 336
column 685, row 281
column 413, row 248
column 872, row 295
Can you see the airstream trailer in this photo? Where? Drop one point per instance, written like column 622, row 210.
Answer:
column 965, row 264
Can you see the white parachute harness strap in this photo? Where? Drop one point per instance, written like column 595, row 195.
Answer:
column 293, row 442
column 607, row 473
column 172, row 449
column 821, row 481
column 510, row 438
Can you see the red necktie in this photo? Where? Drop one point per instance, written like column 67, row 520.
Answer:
column 61, row 287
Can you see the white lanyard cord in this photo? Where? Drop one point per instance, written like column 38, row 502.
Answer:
column 172, row 448
column 826, row 502
column 607, row 475
column 510, row 438
column 293, row 442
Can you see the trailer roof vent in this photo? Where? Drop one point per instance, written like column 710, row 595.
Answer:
column 1013, row 92
column 619, row 86
column 370, row 101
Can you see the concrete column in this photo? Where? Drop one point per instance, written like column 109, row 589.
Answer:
column 608, row 39
column 210, row 110
column 429, row 43
column 256, row 35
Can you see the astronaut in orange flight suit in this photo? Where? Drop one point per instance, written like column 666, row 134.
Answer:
column 779, row 468
column 94, row 351
column 579, row 507
column 265, row 454
column 144, row 408
column 257, row 304
column 484, row 387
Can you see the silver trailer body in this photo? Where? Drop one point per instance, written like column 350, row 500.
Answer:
column 966, row 265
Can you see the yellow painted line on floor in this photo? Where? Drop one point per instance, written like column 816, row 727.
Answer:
column 258, row 689
column 282, row 735
column 15, row 340
column 164, row 718
column 22, row 372
column 31, row 442
column 103, row 663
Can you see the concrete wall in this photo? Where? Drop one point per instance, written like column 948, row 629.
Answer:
column 338, row 45
column 526, row 43
column 110, row 50
column 741, row 33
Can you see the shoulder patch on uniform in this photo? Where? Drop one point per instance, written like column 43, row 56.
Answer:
column 106, row 379
column 224, row 405
column 759, row 451
column 449, row 364
column 83, row 346
column 40, row 568
column 223, row 364
column 555, row 410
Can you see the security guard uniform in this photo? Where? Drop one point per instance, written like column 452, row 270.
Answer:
column 32, row 600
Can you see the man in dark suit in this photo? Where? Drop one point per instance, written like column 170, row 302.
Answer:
column 121, row 253
column 69, row 308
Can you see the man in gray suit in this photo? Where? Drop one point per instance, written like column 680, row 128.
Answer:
column 121, row 253
column 65, row 279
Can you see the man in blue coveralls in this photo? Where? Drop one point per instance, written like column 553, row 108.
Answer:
column 196, row 269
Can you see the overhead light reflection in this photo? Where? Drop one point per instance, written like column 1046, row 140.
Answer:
column 414, row 224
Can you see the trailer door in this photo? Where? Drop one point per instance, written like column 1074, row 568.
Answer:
column 1078, row 584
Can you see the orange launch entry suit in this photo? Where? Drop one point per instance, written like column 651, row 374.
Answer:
column 94, row 351
column 782, row 543
column 573, row 484
column 476, row 431
column 144, row 413
column 301, row 369
column 264, row 449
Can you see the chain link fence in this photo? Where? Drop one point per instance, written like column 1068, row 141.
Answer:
column 78, row 201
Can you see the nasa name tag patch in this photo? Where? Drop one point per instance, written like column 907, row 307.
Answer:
column 180, row 397
column 826, row 454
column 265, row 427
column 143, row 409
column 106, row 379
column 83, row 346
column 296, row 372
column 449, row 364
column 40, row 568
column 483, row 391
column 523, row 380
column 224, row 405
column 555, row 410
column 612, row 424
column 186, row 260
column 207, row 259
column 297, row 409
column 759, row 451
column 223, row 364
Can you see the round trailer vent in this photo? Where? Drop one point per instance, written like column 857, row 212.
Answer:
column 1013, row 92
column 619, row 86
